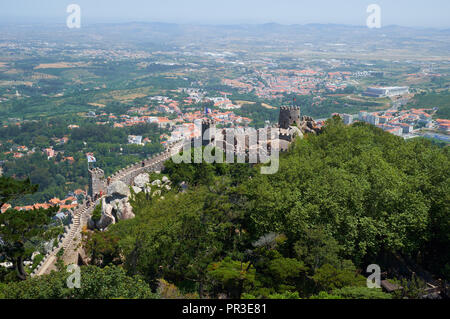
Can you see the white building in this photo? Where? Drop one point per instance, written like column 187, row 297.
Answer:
column 133, row 139
column 386, row 91
column 372, row 119
column 362, row 116
column 406, row 128
column 348, row 119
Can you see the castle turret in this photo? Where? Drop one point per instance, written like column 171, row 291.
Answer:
column 289, row 116
column 208, row 128
column 96, row 181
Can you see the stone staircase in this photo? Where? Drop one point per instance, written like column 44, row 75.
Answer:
column 69, row 242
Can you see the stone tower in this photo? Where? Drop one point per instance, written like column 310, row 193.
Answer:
column 289, row 116
column 208, row 136
column 96, row 181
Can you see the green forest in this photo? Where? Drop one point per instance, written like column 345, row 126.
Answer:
column 344, row 199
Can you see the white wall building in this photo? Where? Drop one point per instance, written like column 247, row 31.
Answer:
column 386, row 91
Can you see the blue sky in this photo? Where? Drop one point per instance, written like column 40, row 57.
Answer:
column 419, row 13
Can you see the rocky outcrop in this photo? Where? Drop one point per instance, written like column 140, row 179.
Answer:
column 136, row 189
column 157, row 193
column 156, row 182
column 141, row 180
column 118, row 189
column 107, row 216
column 155, row 188
column 115, row 206
column 127, row 212
column 308, row 125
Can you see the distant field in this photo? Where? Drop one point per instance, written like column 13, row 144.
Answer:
column 13, row 71
column 40, row 76
column 175, row 74
column 244, row 102
column 125, row 95
column 385, row 55
column 416, row 79
column 97, row 104
column 81, row 74
column 354, row 98
column 59, row 65
column 265, row 105
column 130, row 96
column 382, row 103
column 13, row 83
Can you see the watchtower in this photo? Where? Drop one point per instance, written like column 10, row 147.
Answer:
column 96, row 181
column 289, row 116
column 208, row 132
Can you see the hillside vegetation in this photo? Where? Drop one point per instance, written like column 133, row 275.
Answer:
column 341, row 200
column 441, row 100
column 350, row 197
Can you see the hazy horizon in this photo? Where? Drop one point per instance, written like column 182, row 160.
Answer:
column 413, row 13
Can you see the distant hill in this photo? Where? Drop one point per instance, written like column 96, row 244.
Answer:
column 421, row 40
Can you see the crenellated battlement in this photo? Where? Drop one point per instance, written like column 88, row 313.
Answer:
column 289, row 108
column 208, row 121
column 286, row 137
column 289, row 116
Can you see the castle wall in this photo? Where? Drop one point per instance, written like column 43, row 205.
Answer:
column 241, row 144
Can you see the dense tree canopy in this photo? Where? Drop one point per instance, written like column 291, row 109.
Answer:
column 18, row 228
column 95, row 283
column 340, row 201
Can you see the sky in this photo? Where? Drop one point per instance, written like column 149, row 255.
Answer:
column 416, row 13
